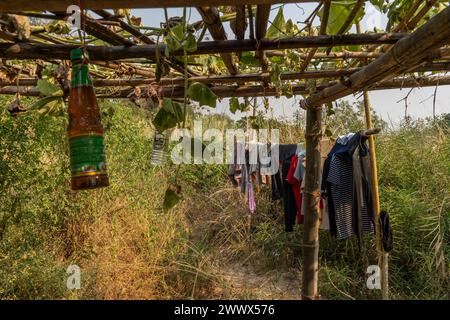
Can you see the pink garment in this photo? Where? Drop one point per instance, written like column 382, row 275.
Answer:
column 251, row 198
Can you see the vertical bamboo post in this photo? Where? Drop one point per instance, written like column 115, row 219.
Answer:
column 382, row 256
column 310, row 276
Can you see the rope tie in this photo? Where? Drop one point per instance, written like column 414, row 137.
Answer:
column 312, row 193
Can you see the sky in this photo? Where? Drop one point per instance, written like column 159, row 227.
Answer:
column 389, row 104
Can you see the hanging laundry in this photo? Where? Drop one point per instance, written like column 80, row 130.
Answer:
column 346, row 184
column 295, row 178
column 386, row 230
column 289, row 202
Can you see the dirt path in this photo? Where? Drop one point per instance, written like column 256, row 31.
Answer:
column 246, row 282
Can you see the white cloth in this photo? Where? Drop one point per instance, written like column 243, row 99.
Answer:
column 345, row 138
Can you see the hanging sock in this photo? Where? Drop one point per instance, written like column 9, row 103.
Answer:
column 251, row 198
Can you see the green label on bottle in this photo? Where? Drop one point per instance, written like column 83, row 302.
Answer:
column 87, row 155
column 80, row 75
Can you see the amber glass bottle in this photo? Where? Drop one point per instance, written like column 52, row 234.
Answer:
column 85, row 131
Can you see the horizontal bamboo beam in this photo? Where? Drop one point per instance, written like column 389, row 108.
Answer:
column 227, row 79
column 108, row 53
column 61, row 5
column 408, row 52
column 248, row 91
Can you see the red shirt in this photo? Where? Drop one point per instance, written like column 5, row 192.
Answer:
column 295, row 187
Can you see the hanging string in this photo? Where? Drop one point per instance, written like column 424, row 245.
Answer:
column 82, row 30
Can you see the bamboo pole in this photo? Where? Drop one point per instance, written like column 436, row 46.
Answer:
column 211, row 17
column 311, row 194
column 262, row 20
column 405, row 23
column 234, row 90
column 322, row 31
column 61, row 5
column 239, row 79
column 107, row 53
column 410, row 51
column 382, row 256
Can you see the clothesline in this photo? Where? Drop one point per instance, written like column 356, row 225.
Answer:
column 346, row 203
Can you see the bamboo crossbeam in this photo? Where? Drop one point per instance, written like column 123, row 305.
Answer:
column 410, row 51
column 227, row 79
column 101, row 32
column 127, row 68
column 405, row 23
column 211, row 17
column 61, row 5
column 108, row 53
column 262, row 20
column 247, row 91
column 138, row 35
column 125, row 26
column 322, row 31
column 240, row 22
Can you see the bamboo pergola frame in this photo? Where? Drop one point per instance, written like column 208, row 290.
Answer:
column 128, row 58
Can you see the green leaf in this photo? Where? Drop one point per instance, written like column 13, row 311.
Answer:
column 47, row 88
column 58, row 27
column 291, row 28
column 328, row 132
column 170, row 200
column 234, row 105
column 287, row 91
column 175, row 38
column 190, row 44
column 168, row 116
column 42, row 102
column 248, row 59
column 339, row 11
column 275, row 74
column 202, row 94
column 277, row 28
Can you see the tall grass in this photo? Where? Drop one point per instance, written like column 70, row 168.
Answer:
column 208, row 246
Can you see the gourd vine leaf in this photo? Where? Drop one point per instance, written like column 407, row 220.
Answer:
column 58, row 27
column 42, row 102
column 174, row 38
column 47, row 88
column 248, row 59
column 287, row 90
column 168, row 116
column 277, row 28
column 171, row 199
column 190, row 44
column 234, row 104
column 275, row 74
column 177, row 39
column 339, row 11
column 202, row 94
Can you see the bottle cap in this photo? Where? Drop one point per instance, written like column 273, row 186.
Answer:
column 77, row 54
